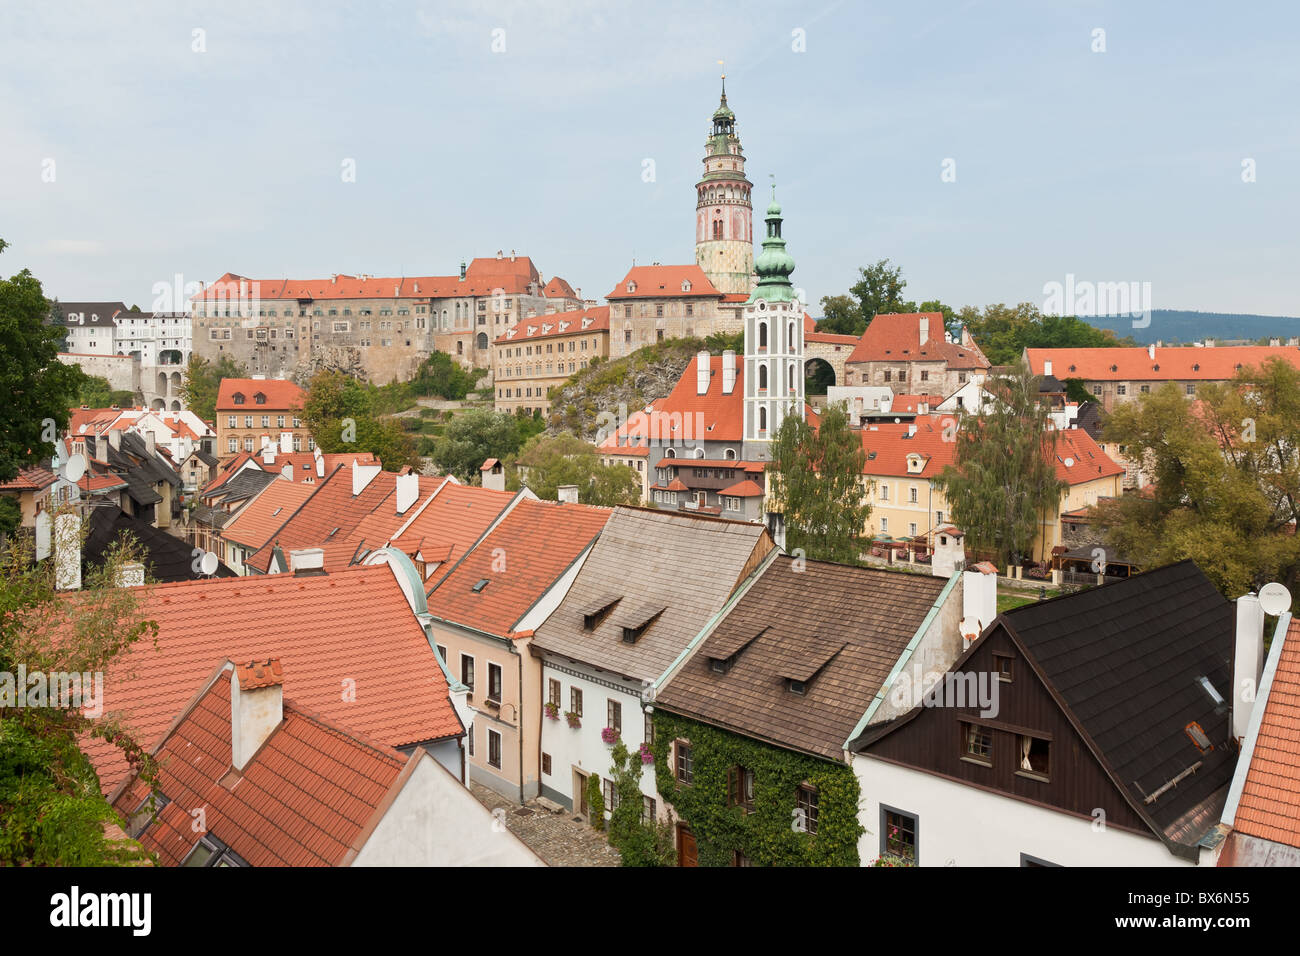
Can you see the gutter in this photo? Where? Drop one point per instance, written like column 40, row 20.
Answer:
column 903, row 658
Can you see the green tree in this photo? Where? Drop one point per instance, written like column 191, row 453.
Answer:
column 11, row 516
column 879, row 291
column 338, row 411
column 203, row 382
column 815, row 481
column 443, row 376
column 840, row 316
column 38, row 388
column 50, row 801
column 1003, row 332
column 547, row 462
column 595, row 801
column 1004, row 484
column 97, row 392
column 1225, row 479
column 472, row 438
column 1076, row 391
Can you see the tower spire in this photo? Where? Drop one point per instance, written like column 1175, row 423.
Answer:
column 773, row 264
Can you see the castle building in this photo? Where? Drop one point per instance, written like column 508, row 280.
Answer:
column 724, row 216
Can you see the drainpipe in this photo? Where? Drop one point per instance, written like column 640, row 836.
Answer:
column 519, row 724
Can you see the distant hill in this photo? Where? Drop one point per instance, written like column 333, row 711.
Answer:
column 1179, row 326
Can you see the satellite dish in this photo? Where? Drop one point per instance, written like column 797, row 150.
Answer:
column 1069, row 463
column 1274, row 598
column 208, row 563
column 75, row 468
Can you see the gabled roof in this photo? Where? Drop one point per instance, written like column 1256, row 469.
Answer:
column 520, row 559
column 1216, row 363
column 888, row 447
column 897, row 338
column 281, row 394
column 258, row 520
column 1269, row 806
column 166, row 557
column 664, row 282
column 239, row 486
column 557, row 288
column 483, row 277
column 691, row 564
column 838, row 627
column 97, row 314
column 304, row 799
column 812, row 337
column 32, row 478
column 743, row 489
column 1079, row 458
column 444, row 528
column 353, row 624
column 557, row 323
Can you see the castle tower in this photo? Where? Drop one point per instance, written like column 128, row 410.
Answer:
column 774, row 385
column 724, row 216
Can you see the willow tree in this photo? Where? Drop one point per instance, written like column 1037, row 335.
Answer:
column 815, row 481
column 1002, row 486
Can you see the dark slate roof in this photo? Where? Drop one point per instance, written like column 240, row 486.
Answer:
column 166, row 557
column 1050, row 384
column 246, row 484
column 1089, row 419
column 1124, row 661
column 204, row 457
column 98, row 314
column 838, row 627
column 206, row 514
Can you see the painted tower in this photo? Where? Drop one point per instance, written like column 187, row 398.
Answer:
column 773, row 344
column 724, row 215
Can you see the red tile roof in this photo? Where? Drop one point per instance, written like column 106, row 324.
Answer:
column 664, row 282
column 483, row 277
column 539, row 541
column 743, row 489
column 557, row 288
column 446, row 527
column 812, row 336
column 307, row 796
column 304, row 463
column 1218, row 363
column 897, row 338
column 266, row 513
column 910, row 403
column 33, row 478
column 1269, row 807
column 1086, row 459
column 280, row 394
column 350, row 625
column 557, row 323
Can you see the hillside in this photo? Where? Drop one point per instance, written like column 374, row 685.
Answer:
column 1180, row 326
column 631, row 382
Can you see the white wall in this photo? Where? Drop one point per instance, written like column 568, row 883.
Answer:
column 437, row 822
column 963, row 826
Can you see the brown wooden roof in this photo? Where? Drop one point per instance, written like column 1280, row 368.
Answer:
column 649, row 559
column 838, row 627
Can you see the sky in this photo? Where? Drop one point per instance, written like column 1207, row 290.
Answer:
column 987, row 148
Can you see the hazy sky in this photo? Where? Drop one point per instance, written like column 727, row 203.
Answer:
column 1123, row 165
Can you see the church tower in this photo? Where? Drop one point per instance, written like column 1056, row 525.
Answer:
column 724, row 216
column 774, row 386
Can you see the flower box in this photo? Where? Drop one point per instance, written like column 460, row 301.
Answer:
column 552, row 710
column 575, row 720
column 647, row 755
column 609, row 735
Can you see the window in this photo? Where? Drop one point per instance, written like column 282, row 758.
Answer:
column 648, row 810
column 494, row 682
column 470, row 735
column 1002, row 663
column 575, row 701
column 230, row 421
column 1191, row 389
column 884, row 492
column 805, row 817
column 210, row 851
column 546, row 764
column 649, row 730
column 685, row 766
column 977, row 743
column 553, row 692
column 797, row 687
column 1145, row 389
column 739, row 859
column 1035, row 757
column 740, row 788
column 248, row 421
column 898, row 831
column 494, row 749
column 611, row 794
column 1096, row 390
column 884, row 526
column 1121, row 389
column 467, row 671
column 911, row 495
column 232, row 445
column 614, row 715
column 442, row 653
column 266, row 421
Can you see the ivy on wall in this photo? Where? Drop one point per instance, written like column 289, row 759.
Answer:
column 767, row 836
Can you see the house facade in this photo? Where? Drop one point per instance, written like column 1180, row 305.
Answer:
column 911, row 353
column 538, row 354
column 253, row 413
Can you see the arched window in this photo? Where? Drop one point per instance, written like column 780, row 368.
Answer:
column 762, row 335
column 699, row 452
column 730, row 454
column 791, row 335
column 762, row 378
column 762, row 420
column 717, row 229
column 482, row 340
column 670, row 453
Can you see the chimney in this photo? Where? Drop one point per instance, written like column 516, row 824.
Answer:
column 362, row 475
column 911, row 429
column 1248, row 662
column 320, row 463
column 115, row 438
column 286, row 442
column 130, row 575
column 408, row 490
column 494, row 475
column 979, row 599
column 728, row 371
column 256, row 708
column 67, row 552
column 1047, row 367
column 150, row 443
column 923, row 408
column 498, row 254
column 567, row 494
column 287, row 472
column 512, row 255
column 703, row 369
column 1151, row 352
column 268, row 452
column 304, row 561
column 462, row 270
column 925, row 329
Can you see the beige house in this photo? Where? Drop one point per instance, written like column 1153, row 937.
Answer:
column 538, row 354
column 910, row 354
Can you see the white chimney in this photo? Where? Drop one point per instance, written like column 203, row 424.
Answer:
column 286, row 442
column 320, row 464
column 268, row 452
column 287, row 472
column 911, row 430
column 1151, row 352
column 702, row 370
column 728, row 371
column 923, row 408
column 979, row 600
column 1248, row 662
column 130, row 575
column 362, row 475
column 925, row 329
column 306, row 559
column 1047, row 367
column 567, row 494
column 408, row 490
column 150, row 443
column 115, row 438
column 67, row 552
column 256, row 708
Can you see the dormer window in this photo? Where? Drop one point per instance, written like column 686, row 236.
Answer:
column 259, row 398
column 796, row 687
column 594, row 615
column 238, row 398
column 631, row 287
column 686, row 285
